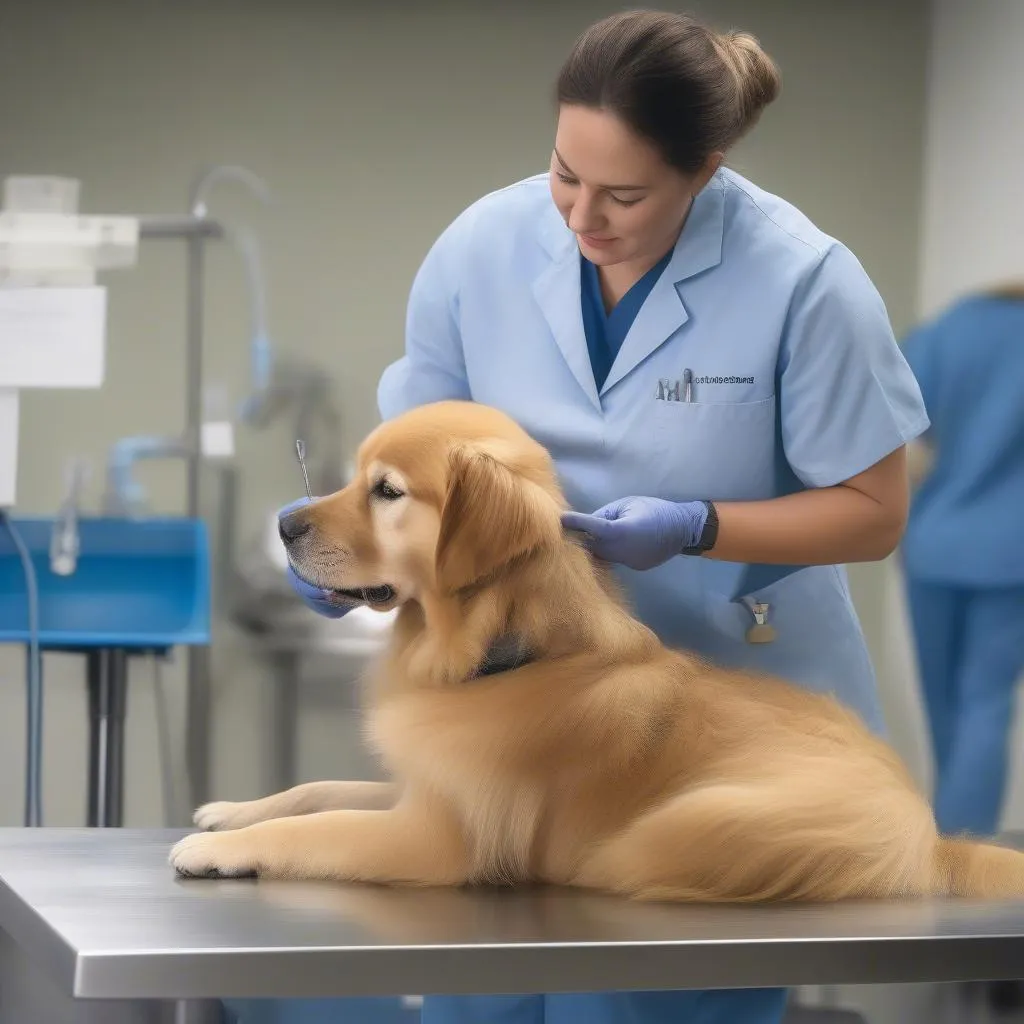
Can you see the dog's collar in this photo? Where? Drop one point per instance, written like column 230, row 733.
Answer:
column 505, row 654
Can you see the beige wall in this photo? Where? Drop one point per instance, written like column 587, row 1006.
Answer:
column 373, row 124
column 971, row 237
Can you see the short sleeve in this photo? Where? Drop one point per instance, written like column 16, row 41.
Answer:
column 432, row 369
column 919, row 349
column 846, row 395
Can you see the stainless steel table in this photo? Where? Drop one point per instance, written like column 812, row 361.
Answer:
column 102, row 913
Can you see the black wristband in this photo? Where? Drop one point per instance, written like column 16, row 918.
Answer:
column 709, row 535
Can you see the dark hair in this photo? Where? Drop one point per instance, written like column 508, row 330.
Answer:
column 686, row 88
column 1010, row 290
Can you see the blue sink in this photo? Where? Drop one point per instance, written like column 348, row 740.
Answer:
column 137, row 584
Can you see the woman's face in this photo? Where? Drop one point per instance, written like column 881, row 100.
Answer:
column 623, row 202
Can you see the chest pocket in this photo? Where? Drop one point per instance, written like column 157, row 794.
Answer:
column 724, row 451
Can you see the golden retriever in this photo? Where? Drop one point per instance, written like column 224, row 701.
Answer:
column 537, row 732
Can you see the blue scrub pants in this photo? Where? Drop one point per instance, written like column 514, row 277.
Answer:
column 740, row 1006
column 970, row 650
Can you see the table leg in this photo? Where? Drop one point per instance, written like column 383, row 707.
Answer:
column 282, row 721
column 198, row 710
column 107, row 682
column 198, row 1011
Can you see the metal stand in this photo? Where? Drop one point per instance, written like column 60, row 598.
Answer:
column 107, row 682
column 309, row 389
column 282, row 721
column 195, row 230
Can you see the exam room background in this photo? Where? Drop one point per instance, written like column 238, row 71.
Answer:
column 374, row 125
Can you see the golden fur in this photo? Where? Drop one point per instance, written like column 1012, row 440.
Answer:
column 608, row 761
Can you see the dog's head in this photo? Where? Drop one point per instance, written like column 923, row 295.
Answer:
column 444, row 497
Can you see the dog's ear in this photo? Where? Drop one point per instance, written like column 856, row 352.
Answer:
column 492, row 514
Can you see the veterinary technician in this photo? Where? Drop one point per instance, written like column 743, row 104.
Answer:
column 716, row 378
column 963, row 553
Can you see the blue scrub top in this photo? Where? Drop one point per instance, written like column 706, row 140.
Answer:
column 797, row 382
column 606, row 331
column 966, row 525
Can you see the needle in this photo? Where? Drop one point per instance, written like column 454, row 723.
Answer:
column 300, row 451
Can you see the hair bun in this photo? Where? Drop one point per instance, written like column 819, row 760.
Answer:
column 758, row 79
column 689, row 89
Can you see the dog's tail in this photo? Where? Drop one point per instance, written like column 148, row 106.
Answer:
column 977, row 870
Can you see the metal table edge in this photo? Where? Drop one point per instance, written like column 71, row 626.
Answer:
column 39, row 940
column 541, row 967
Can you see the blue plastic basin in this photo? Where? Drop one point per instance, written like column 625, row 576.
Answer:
column 138, row 584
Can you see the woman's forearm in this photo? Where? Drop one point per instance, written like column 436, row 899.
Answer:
column 829, row 526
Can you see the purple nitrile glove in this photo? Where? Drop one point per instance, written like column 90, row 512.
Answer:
column 320, row 601
column 640, row 533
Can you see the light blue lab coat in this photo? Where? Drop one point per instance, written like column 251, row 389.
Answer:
column 797, row 382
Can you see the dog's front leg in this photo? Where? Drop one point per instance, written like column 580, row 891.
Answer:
column 308, row 798
column 417, row 842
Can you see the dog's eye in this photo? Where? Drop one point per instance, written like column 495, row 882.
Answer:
column 387, row 491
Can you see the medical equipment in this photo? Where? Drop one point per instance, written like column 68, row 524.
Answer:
column 300, row 451
column 52, row 312
column 58, row 333
column 53, row 336
column 124, row 495
column 64, row 541
column 278, row 386
column 52, row 332
column 139, row 589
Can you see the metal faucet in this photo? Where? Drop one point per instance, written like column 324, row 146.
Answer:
column 124, row 495
column 64, row 542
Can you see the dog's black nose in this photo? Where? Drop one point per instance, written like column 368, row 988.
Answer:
column 293, row 525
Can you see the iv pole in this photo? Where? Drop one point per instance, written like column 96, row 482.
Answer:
column 284, row 384
column 196, row 230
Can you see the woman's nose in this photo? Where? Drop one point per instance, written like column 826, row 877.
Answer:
column 584, row 217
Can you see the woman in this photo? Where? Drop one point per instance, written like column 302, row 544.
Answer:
column 964, row 549
column 712, row 374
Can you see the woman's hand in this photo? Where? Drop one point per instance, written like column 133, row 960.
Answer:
column 640, row 533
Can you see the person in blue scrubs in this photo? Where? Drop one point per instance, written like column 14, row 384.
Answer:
column 715, row 377
column 963, row 552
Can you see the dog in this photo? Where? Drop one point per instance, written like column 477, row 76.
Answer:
column 536, row 733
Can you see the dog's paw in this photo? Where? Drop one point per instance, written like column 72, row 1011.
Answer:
column 223, row 815
column 209, row 855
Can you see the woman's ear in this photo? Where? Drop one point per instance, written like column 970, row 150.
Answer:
column 707, row 172
column 492, row 515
